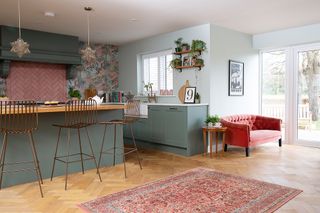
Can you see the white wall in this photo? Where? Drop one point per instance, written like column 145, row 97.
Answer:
column 128, row 54
column 287, row 37
column 225, row 45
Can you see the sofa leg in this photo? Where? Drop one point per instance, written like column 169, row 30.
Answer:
column 247, row 152
column 280, row 142
column 225, row 147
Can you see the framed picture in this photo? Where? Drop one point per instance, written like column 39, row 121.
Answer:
column 189, row 95
column 236, row 78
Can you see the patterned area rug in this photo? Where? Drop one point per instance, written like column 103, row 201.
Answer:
column 196, row 190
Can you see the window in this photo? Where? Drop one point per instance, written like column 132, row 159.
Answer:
column 156, row 70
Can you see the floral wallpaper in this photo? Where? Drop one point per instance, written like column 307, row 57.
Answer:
column 103, row 75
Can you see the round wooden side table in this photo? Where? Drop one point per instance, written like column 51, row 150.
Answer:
column 213, row 131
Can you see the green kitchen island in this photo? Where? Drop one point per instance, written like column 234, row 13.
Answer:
column 45, row 140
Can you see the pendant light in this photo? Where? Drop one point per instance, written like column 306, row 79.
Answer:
column 20, row 47
column 88, row 54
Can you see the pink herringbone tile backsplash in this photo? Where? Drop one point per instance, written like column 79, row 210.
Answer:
column 37, row 81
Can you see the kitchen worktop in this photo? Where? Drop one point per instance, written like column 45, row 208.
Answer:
column 177, row 104
column 61, row 108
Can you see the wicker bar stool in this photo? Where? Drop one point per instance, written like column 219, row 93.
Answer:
column 19, row 117
column 131, row 115
column 79, row 114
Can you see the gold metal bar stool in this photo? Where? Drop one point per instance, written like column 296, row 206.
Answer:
column 131, row 115
column 19, row 117
column 78, row 114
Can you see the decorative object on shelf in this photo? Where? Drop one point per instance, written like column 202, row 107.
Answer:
column 178, row 43
column 189, row 95
column 186, row 61
column 185, row 46
column 20, row 47
column 88, row 54
column 236, row 78
column 74, row 94
column 90, row 92
column 182, row 91
column 213, row 121
column 197, row 98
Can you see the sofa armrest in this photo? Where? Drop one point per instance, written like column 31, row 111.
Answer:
column 264, row 122
column 237, row 134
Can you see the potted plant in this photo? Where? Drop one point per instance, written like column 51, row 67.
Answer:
column 197, row 98
column 178, row 43
column 199, row 62
column 198, row 45
column 175, row 63
column 212, row 120
column 74, row 94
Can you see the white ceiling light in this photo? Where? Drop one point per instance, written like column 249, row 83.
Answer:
column 49, row 14
column 20, row 47
column 88, row 54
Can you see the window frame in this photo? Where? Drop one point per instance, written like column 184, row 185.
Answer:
column 157, row 54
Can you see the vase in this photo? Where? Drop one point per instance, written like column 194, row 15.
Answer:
column 210, row 124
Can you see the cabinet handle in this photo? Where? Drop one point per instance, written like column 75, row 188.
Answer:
column 173, row 108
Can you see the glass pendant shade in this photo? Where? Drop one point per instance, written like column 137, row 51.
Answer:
column 88, row 55
column 20, row 47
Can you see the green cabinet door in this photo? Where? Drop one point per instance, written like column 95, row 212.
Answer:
column 156, row 117
column 175, row 128
column 141, row 129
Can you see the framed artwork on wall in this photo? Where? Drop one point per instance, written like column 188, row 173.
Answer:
column 236, row 78
column 189, row 95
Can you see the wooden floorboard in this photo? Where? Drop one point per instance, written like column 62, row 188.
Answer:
column 293, row 166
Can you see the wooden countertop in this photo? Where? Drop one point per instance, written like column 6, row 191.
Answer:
column 61, row 108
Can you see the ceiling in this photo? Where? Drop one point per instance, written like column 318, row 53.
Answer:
column 110, row 20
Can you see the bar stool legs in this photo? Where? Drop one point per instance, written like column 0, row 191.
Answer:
column 81, row 154
column 125, row 151
column 55, row 154
column 34, row 157
column 36, row 162
column 135, row 145
column 3, row 155
column 94, row 159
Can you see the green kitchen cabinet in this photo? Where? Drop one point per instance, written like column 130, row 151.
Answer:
column 175, row 130
column 172, row 128
column 155, row 115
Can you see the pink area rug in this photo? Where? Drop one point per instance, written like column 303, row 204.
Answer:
column 196, row 190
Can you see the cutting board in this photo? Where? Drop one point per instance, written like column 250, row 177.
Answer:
column 182, row 91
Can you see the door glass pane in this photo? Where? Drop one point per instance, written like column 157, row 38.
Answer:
column 309, row 95
column 273, row 85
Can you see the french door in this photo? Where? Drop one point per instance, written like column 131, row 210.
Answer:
column 307, row 99
column 290, row 90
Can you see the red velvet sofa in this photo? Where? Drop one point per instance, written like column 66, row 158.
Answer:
column 251, row 130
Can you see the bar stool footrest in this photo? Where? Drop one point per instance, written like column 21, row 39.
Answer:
column 89, row 157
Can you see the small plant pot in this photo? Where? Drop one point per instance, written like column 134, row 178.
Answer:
column 218, row 124
column 197, row 101
column 210, row 124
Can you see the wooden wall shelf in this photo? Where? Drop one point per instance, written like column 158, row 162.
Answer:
column 189, row 67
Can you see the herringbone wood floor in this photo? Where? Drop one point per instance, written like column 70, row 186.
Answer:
column 292, row 166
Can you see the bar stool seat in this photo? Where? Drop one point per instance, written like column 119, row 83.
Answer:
column 19, row 117
column 128, row 119
column 79, row 114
